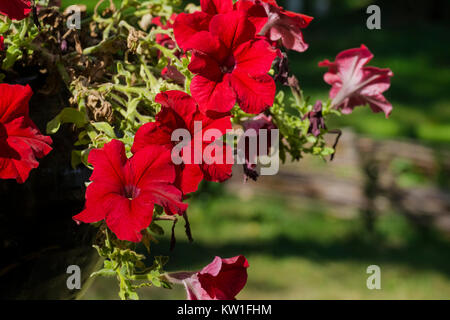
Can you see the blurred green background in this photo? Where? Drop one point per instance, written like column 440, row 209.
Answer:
column 301, row 249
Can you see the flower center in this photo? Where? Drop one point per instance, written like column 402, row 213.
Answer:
column 228, row 65
column 132, row 192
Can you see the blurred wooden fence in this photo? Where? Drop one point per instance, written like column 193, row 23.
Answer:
column 363, row 178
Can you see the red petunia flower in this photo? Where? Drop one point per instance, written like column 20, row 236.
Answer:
column 15, row 9
column 222, row 279
column 180, row 111
column 124, row 191
column 231, row 66
column 2, row 45
column 21, row 142
column 285, row 26
column 354, row 84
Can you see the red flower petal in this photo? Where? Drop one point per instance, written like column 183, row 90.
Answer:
column 26, row 144
column 291, row 39
column 187, row 25
column 110, row 164
column 209, row 44
column 97, row 195
column 178, row 101
column 214, row 98
column 15, row 9
column 127, row 218
column 272, row 2
column 20, row 140
column 254, row 94
column 302, row 19
column 254, row 57
column 285, row 25
column 189, row 177
column 151, row 165
column 14, row 101
column 214, row 7
column 205, row 65
column 232, row 28
column 149, row 134
column 219, row 172
column 256, row 14
column 223, row 279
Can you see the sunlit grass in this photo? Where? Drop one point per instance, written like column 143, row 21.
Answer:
column 299, row 251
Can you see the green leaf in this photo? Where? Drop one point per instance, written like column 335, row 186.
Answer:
column 156, row 282
column 105, row 128
column 80, row 157
column 327, row 151
column 67, row 115
column 156, row 229
column 13, row 53
column 104, row 273
column 311, row 139
column 133, row 295
column 4, row 26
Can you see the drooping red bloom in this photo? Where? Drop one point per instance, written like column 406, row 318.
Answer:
column 180, row 111
column 15, row 9
column 354, row 84
column 21, row 142
column 231, row 66
column 222, row 279
column 285, row 26
column 172, row 73
column 124, row 191
column 316, row 120
column 2, row 45
column 252, row 128
column 169, row 72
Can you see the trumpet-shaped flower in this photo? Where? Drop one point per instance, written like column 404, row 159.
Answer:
column 222, row 279
column 124, row 191
column 285, row 26
column 231, row 65
column 354, row 84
